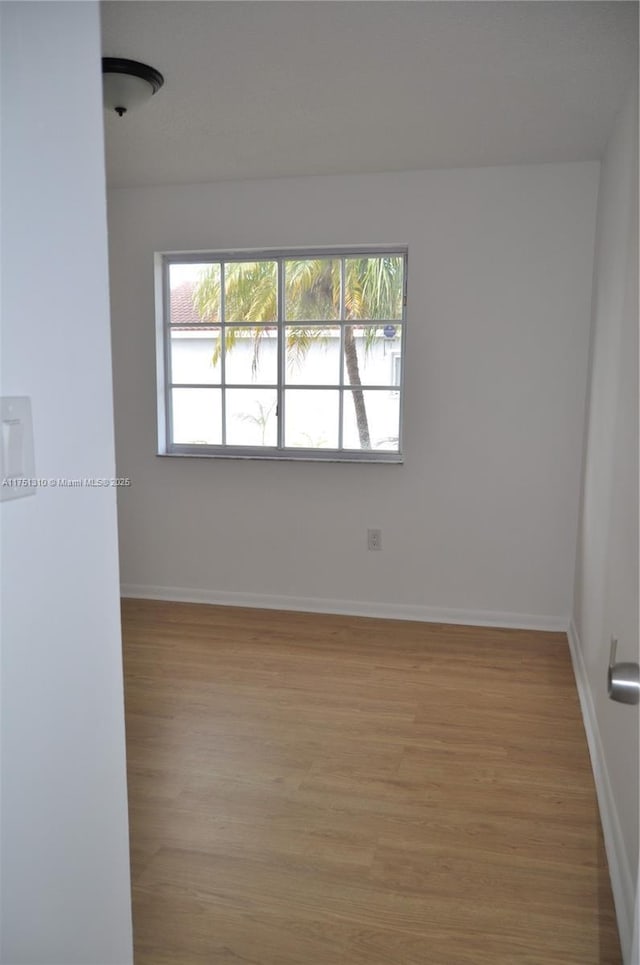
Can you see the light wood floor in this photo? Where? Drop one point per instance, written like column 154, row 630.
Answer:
column 324, row 790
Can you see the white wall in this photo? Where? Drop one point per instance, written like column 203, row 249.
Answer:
column 65, row 866
column 251, row 414
column 606, row 586
column 480, row 521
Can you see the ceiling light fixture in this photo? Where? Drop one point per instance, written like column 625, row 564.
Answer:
column 126, row 84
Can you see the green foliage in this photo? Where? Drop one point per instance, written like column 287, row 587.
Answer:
column 373, row 288
column 261, row 420
column 299, row 341
column 251, row 292
column 250, row 295
column 312, row 289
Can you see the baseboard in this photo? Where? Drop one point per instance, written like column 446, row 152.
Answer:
column 622, row 883
column 388, row 611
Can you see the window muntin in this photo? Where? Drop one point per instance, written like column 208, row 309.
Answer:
column 283, row 355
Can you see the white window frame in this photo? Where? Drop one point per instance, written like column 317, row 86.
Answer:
column 166, row 446
column 396, row 370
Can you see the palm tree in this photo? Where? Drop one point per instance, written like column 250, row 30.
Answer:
column 261, row 420
column 373, row 289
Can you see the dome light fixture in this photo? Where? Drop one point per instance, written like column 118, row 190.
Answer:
column 126, row 84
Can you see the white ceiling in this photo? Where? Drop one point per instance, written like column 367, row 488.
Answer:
column 270, row 89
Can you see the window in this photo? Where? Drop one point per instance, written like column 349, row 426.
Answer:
column 396, row 368
column 288, row 354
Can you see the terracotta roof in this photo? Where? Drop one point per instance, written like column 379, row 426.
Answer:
column 183, row 311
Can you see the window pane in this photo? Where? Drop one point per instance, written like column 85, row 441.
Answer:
column 195, row 294
column 251, row 417
column 313, row 355
column 194, row 356
column 311, row 419
column 197, row 416
column 251, row 291
column 372, row 420
column 312, row 289
column 251, row 354
column 372, row 354
column 374, row 287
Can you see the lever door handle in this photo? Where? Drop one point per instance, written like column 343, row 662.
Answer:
column 623, row 679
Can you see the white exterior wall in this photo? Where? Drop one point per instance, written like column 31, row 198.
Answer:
column 312, row 419
column 65, row 859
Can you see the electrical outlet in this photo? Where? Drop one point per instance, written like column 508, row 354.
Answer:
column 374, row 539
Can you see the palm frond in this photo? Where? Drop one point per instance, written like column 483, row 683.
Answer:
column 206, row 295
column 299, row 341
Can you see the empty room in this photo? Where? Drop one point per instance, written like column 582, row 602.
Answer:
column 319, row 483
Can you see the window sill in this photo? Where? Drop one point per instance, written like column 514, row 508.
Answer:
column 381, row 459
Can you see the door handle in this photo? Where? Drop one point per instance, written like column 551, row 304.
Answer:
column 623, row 679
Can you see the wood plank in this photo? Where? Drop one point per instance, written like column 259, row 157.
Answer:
column 314, row 789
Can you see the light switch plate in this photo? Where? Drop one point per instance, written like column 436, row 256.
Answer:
column 17, row 464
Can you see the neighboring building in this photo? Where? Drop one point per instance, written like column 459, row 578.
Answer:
column 251, row 367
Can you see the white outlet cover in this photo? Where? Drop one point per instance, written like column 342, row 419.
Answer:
column 17, row 463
